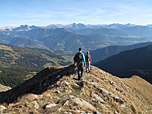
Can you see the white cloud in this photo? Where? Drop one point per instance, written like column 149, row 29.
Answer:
column 86, row 11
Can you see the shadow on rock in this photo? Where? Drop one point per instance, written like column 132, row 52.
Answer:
column 37, row 84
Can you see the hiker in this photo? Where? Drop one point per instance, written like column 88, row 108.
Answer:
column 88, row 61
column 79, row 62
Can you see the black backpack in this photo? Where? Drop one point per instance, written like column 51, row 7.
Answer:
column 78, row 58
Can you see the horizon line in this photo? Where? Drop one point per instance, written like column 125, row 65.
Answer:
column 72, row 23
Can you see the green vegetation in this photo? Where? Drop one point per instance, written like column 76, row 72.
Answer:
column 69, row 38
column 129, row 63
column 103, row 53
column 12, row 77
column 17, row 62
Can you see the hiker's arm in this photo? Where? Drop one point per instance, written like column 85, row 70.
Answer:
column 83, row 58
column 90, row 59
column 75, row 63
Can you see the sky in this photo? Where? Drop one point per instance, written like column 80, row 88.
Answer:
column 46, row 12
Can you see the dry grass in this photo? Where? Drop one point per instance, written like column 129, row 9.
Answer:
column 4, row 88
column 141, row 86
column 4, row 47
column 136, row 93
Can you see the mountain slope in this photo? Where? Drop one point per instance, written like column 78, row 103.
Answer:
column 128, row 63
column 103, row 53
column 58, row 38
column 69, row 41
column 71, row 37
column 55, row 90
column 16, row 63
column 4, row 88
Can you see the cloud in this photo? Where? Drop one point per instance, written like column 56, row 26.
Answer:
column 69, row 11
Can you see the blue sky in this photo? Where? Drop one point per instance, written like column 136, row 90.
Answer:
column 46, row 12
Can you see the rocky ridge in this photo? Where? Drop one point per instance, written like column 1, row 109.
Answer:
column 56, row 90
column 4, row 88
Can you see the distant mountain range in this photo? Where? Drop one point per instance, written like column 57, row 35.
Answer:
column 103, row 53
column 55, row 89
column 128, row 63
column 70, row 37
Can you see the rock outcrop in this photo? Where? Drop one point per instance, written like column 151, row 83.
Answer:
column 56, row 90
column 37, row 84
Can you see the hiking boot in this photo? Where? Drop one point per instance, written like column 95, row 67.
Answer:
column 81, row 78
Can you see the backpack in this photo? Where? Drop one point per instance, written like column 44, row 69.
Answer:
column 78, row 58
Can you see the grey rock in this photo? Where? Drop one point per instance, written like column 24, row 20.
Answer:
column 101, row 71
column 59, row 109
column 104, row 90
column 83, row 112
column 119, row 90
column 58, row 91
column 50, row 105
column 118, row 99
column 77, row 110
column 102, row 77
column 93, row 99
column 83, row 103
column 54, row 85
column 65, row 83
column 98, row 98
column 36, row 105
column 71, row 96
column 66, row 102
column 116, row 112
column 68, row 91
column 2, row 108
column 123, row 107
column 121, row 83
column 67, row 112
column 75, row 84
column 112, row 83
column 94, row 84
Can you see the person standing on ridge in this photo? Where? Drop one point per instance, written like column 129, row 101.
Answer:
column 88, row 61
column 79, row 61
